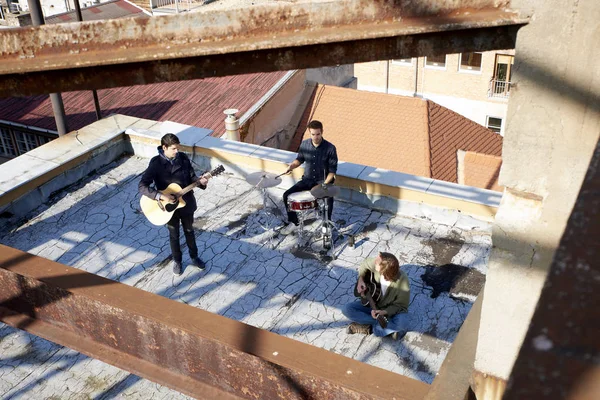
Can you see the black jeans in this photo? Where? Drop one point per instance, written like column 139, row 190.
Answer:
column 301, row 186
column 188, row 230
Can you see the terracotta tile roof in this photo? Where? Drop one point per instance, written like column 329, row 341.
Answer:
column 397, row 133
column 450, row 132
column 372, row 129
column 482, row 170
column 199, row 102
column 108, row 10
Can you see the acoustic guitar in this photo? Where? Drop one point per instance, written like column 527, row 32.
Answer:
column 371, row 295
column 159, row 212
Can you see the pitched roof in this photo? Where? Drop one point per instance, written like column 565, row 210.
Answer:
column 198, row 102
column 450, row 132
column 398, row 133
column 482, row 170
column 108, row 10
column 372, row 129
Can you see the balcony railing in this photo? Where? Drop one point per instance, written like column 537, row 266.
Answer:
column 499, row 89
column 176, row 6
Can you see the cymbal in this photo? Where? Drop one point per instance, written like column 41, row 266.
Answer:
column 329, row 191
column 263, row 179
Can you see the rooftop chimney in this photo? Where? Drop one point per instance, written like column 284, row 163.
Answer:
column 232, row 125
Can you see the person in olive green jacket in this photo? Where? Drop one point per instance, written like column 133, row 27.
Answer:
column 393, row 303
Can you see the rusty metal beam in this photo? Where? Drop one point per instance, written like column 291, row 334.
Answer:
column 188, row 349
column 560, row 356
column 131, row 51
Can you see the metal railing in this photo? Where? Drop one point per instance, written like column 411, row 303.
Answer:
column 177, row 5
column 499, row 89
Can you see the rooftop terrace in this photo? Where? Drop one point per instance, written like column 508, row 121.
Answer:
column 95, row 225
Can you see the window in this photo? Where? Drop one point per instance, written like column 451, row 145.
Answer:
column 43, row 140
column 25, row 141
column 470, row 62
column 436, row 61
column 500, row 85
column 7, row 147
column 494, row 124
column 17, row 141
column 403, row 61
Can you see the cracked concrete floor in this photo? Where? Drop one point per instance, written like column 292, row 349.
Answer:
column 96, row 226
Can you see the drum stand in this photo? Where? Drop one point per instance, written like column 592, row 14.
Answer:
column 303, row 240
column 268, row 215
column 326, row 228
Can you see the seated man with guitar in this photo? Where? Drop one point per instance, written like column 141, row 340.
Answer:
column 384, row 292
column 168, row 167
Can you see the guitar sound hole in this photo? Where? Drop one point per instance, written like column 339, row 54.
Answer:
column 170, row 207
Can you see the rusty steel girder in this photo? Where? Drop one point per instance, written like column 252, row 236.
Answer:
column 132, row 51
column 188, row 349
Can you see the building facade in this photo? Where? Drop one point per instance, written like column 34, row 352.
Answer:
column 475, row 85
column 17, row 139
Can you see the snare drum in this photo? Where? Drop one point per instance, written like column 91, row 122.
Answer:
column 301, row 201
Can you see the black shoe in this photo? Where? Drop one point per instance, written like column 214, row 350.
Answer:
column 359, row 328
column 198, row 263
column 177, row 268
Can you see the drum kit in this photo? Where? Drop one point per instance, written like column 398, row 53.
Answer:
column 303, row 203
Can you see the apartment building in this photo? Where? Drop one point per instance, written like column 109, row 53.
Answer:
column 475, row 85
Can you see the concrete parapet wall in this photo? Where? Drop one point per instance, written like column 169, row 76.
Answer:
column 29, row 180
column 375, row 188
column 552, row 129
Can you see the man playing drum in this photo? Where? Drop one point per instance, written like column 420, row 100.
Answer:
column 320, row 158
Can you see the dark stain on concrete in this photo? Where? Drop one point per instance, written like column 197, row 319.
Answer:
column 305, row 255
column 240, row 222
column 199, row 223
column 469, row 284
column 369, row 228
column 454, row 279
column 445, row 249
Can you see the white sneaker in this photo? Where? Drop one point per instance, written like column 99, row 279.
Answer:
column 288, row 229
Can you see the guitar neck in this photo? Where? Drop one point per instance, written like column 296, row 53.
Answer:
column 371, row 301
column 207, row 175
column 380, row 318
column 192, row 185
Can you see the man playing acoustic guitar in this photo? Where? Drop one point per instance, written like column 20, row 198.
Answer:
column 171, row 166
column 382, row 280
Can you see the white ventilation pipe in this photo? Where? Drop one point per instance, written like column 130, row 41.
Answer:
column 232, row 124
